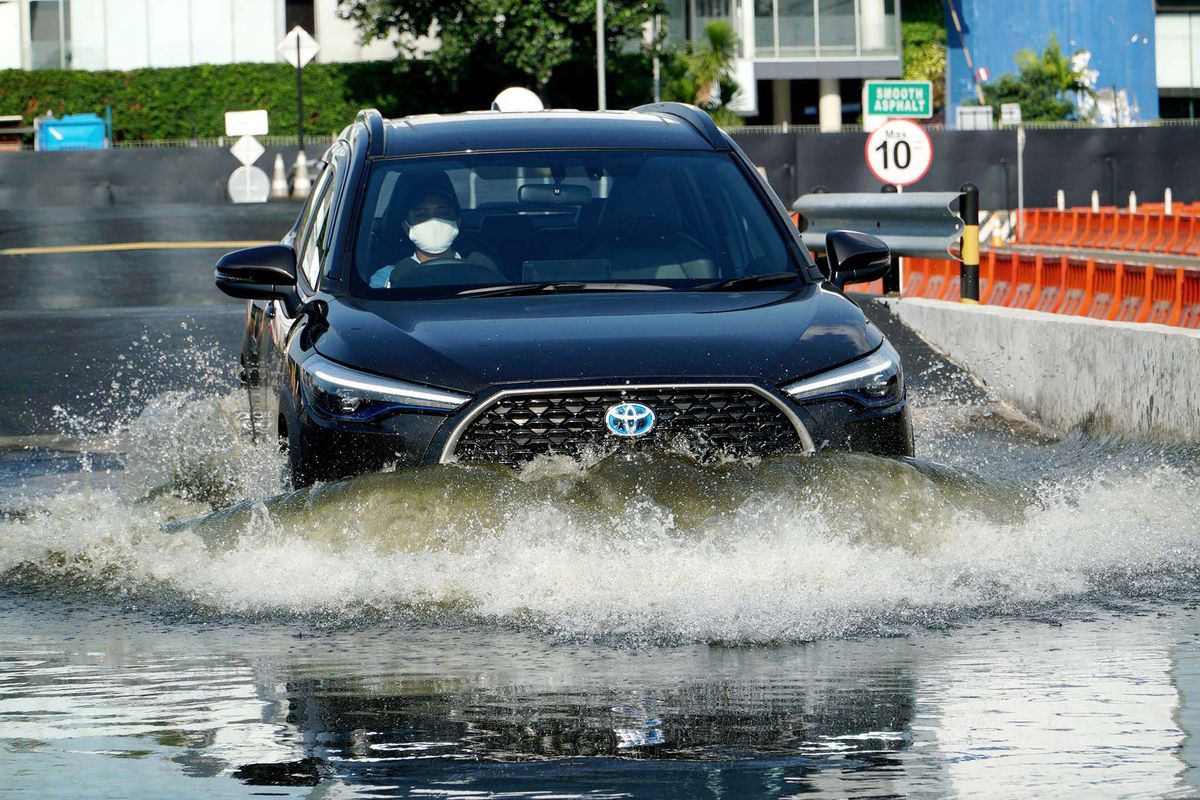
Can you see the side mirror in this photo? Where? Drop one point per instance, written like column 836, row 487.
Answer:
column 266, row 272
column 856, row 257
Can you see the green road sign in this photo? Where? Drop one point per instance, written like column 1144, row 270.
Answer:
column 913, row 99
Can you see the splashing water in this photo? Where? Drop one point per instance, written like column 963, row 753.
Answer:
column 650, row 548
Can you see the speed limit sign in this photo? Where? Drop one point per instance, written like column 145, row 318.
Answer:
column 899, row 152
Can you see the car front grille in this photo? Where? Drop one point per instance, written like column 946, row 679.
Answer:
column 707, row 423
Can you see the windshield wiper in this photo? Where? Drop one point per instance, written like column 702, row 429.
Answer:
column 747, row 281
column 561, row 286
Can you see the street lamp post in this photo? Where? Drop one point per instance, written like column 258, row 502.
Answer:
column 600, row 88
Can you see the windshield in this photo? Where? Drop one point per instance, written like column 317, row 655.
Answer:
column 438, row 226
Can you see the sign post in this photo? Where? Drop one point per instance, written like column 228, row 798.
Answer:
column 248, row 183
column 298, row 48
column 899, row 151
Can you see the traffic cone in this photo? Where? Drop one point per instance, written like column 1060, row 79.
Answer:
column 279, row 187
column 301, row 185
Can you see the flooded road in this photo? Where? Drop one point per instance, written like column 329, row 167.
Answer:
column 1013, row 613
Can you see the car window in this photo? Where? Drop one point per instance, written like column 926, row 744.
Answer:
column 312, row 252
column 439, row 225
column 309, row 205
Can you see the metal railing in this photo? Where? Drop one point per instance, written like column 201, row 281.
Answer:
column 221, row 142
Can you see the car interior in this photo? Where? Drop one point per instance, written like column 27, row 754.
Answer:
column 667, row 218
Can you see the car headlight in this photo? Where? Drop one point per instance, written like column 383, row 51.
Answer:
column 875, row 380
column 346, row 393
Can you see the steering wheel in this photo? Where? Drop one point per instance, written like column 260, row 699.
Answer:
column 440, row 261
column 435, row 272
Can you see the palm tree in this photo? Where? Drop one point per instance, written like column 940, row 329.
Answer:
column 703, row 74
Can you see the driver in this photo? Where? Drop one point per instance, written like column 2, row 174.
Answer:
column 431, row 223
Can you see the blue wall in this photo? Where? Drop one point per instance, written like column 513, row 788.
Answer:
column 996, row 30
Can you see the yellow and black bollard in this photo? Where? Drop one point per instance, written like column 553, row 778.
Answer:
column 969, row 279
column 891, row 281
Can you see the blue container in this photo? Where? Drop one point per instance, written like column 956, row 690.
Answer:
column 72, row 132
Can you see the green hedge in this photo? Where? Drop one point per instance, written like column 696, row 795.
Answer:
column 179, row 102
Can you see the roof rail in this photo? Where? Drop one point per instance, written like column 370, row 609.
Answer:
column 693, row 116
column 376, row 133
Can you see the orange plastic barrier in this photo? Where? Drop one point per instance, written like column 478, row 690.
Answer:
column 1106, row 283
column 1077, row 286
column 1017, row 280
column 1167, row 234
column 1166, row 296
column 1135, row 292
column 1065, row 285
column 1053, row 277
column 916, row 273
column 1148, row 230
column 1189, row 316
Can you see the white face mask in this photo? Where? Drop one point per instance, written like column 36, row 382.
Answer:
column 433, row 236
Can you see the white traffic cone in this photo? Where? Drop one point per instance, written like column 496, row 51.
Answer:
column 279, row 187
column 301, row 185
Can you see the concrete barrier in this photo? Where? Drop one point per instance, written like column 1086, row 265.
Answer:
column 1128, row 379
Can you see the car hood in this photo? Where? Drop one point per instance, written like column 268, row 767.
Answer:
column 468, row 344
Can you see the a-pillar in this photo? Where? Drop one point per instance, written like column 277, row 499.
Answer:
column 781, row 101
column 829, row 110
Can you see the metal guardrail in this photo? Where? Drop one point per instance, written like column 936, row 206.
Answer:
column 911, row 223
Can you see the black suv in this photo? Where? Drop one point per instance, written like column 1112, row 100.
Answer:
column 499, row 287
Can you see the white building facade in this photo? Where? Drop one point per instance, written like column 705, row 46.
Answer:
column 797, row 56
column 132, row 34
column 1177, row 59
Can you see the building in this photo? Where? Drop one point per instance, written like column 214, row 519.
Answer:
column 800, row 61
column 131, row 34
column 1177, row 58
column 1117, row 36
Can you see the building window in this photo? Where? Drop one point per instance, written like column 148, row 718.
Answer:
column 797, row 29
column 675, row 23
column 708, row 11
column 300, row 12
column 794, row 29
column 836, row 19
column 49, row 33
column 764, row 28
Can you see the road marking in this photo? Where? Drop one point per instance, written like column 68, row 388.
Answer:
column 117, row 246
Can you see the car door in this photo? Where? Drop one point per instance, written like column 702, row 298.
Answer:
column 276, row 325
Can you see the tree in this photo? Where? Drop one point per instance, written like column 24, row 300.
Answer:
column 502, row 38
column 1045, row 86
column 702, row 74
column 923, row 46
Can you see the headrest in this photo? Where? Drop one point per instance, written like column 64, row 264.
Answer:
column 641, row 200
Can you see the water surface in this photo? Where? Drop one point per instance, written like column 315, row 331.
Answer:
column 1012, row 613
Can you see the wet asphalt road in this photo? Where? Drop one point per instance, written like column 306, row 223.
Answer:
column 66, row 318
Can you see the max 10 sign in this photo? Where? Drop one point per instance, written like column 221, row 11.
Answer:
column 899, row 152
column 912, row 99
